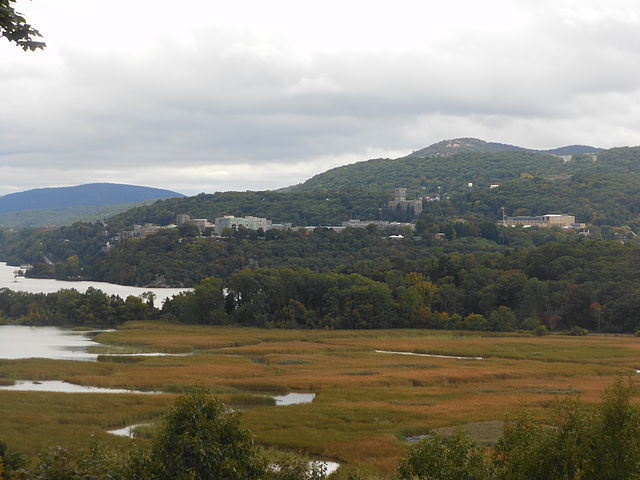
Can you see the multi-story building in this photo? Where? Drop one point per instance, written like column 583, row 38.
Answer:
column 252, row 223
column 400, row 202
column 201, row 223
column 549, row 220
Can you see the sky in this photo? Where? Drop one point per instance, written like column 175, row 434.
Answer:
column 205, row 96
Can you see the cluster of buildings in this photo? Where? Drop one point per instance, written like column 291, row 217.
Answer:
column 229, row 222
column 355, row 223
column 204, row 226
column 223, row 225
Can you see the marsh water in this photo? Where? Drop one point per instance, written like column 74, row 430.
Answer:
column 63, row 387
column 18, row 341
column 294, row 398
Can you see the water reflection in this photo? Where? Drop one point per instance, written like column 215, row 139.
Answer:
column 18, row 341
column 64, row 387
column 294, row 398
column 128, row 431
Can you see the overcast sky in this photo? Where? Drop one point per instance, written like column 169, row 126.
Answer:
column 203, row 95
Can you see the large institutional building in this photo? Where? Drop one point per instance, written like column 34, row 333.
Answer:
column 549, row 220
column 252, row 223
column 400, row 202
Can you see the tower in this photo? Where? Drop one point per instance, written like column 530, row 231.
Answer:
column 400, row 194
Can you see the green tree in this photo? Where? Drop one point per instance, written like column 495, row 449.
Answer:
column 577, row 444
column 201, row 439
column 616, row 436
column 9, row 462
column 445, row 458
column 502, row 319
column 208, row 306
column 15, row 28
column 528, row 450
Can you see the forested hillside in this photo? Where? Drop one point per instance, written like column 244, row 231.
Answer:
column 475, row 145
column 451, row 173
column 451, row 165
column 66, row 216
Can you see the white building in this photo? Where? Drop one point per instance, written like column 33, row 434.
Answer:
column 252, row 223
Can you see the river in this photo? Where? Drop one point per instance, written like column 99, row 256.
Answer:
column 45, row 285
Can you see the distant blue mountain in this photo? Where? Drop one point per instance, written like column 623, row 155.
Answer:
column 90, row 194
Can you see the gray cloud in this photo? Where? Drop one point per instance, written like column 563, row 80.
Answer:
column 227, row 109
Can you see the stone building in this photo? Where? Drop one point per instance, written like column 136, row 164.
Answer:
column 401, row 203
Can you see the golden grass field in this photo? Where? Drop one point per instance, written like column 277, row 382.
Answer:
column 366, row 403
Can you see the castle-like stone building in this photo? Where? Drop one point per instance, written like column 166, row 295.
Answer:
column 400, row 202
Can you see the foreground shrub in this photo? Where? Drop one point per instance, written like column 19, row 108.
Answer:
column 577, row 444
column 443, row 458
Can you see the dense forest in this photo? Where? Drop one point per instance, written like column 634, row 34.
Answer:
column 557, row 286
column 590, row 285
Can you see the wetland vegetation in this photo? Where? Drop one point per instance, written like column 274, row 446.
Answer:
column 366, row 403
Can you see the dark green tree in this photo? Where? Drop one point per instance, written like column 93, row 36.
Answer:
column 445, row 458
column 201, row 439
column 15, row 28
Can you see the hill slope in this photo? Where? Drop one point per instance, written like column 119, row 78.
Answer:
column 449, row 164
column 447, row 148
column 42, row 217
column 91, row 194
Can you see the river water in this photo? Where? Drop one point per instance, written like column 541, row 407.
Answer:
column 18, row 341
column 42, row 285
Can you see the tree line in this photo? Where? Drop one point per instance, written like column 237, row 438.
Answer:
column 557, row 286
column 69, row 307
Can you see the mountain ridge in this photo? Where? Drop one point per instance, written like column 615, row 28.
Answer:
column 88, row 194
column 470, row 144
column 428, row 160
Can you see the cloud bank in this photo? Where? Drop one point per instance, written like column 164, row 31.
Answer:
column 204, row 96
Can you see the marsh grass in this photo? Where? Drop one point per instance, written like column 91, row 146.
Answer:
column 366, row 402
column 119, row 359
column 39, row 419
column 246, row 401
column 146, row 431
column 291, row 361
